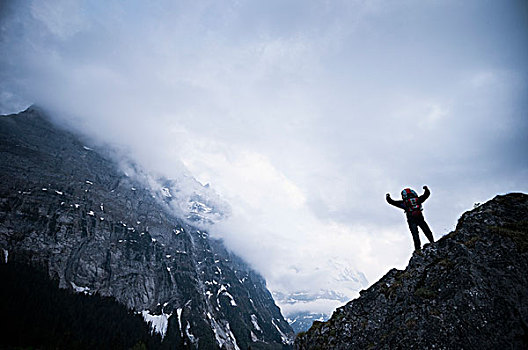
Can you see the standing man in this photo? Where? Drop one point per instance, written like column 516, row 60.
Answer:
column 412, row 204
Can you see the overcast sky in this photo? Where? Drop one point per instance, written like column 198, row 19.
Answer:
column 301, row 114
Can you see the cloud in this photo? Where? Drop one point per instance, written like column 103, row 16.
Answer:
column 62, row 18
column 301, row 114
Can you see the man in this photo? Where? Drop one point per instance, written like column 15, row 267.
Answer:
column 412, row 204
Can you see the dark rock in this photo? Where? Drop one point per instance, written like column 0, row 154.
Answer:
column 469, row 290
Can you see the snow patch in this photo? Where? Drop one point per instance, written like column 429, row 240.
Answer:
column 191, row 337
column 284, row 337
column 6, row 254
column 254, row 338
column 166, row 192
column 223, row 291
column 157, row 323
column 85, row 290
column 254, row 320
column 223, row 334
column 179, row 313
column 232, row 336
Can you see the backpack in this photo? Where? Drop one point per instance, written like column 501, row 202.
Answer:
column 411, row 202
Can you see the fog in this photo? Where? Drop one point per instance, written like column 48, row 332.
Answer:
column 300, row 114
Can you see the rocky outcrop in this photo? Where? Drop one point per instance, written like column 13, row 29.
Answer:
column 469, row 290
column 71, row 209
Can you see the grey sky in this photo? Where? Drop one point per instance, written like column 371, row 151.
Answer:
column 301, row 114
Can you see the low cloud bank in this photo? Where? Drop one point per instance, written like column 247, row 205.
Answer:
column 300, row 115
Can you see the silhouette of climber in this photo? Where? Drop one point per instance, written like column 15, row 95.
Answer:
column 412, row 204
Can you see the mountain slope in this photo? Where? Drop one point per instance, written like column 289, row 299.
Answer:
column 71, row 210
column 469, row 290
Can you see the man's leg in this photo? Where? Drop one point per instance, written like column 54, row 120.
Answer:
column 426, row 230
column 413, row 226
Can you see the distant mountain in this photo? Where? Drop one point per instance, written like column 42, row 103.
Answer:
column 469, row 290
column 299, row 306
column 98, row 228
column 302, row 321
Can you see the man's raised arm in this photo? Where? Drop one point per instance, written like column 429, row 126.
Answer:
column 426, row 194
column 391, row 201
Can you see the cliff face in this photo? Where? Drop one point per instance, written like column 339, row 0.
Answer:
column 71, row 210
column 469, row 290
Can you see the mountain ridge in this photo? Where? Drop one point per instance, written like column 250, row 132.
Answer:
column 468, row 290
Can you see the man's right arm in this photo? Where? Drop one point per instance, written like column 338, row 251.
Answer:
column 398, row 204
